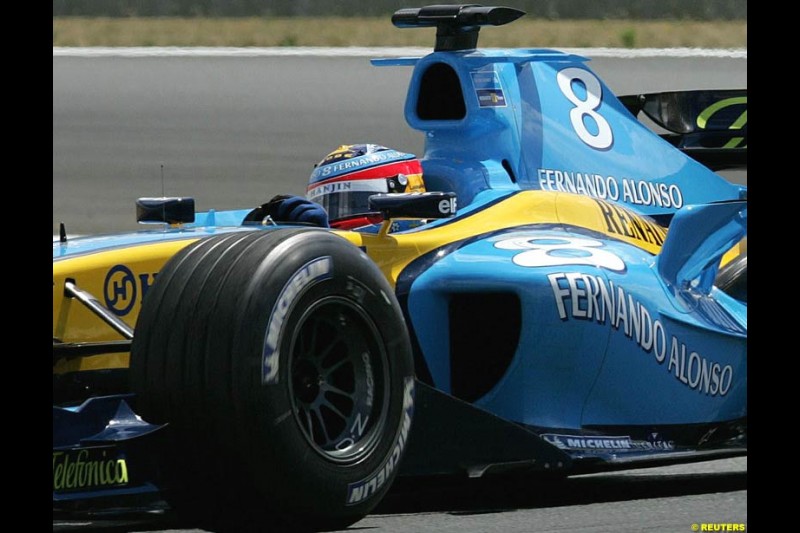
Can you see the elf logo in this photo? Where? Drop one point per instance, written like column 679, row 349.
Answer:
column 447, row 207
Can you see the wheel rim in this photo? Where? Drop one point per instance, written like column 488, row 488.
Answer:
column 339, row 380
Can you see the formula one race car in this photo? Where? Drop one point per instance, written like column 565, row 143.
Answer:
column 576, row 302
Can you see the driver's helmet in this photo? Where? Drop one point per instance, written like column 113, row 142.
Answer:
column 345, row 179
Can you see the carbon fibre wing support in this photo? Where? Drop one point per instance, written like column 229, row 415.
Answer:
column 450, row 436
column 708, row 125
column 72, row 290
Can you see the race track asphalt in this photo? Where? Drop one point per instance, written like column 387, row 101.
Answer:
column 232, row 132
column 662, row 500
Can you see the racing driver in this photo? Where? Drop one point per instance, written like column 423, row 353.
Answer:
column 339, row 188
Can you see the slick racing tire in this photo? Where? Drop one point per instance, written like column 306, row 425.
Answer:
column 281, row 361
column 732, row 278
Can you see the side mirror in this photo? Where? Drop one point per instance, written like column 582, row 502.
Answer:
column 177, row 210
column 414, row 205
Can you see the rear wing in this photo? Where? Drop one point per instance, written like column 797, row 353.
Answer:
column 708, row 125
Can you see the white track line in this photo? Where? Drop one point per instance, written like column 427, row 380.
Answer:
column 359, row 51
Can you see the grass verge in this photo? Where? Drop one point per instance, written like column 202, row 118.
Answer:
column 333, row 31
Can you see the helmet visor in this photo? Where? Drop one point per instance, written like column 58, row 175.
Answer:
column 346, row 198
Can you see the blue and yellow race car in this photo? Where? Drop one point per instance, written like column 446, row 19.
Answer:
column 576, row 301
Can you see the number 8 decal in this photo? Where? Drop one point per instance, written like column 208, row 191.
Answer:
column 540, row 251
column 586, row 108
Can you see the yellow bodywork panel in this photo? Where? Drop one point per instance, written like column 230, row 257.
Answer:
column 393, row 252
column 120, row 278
column 738, row 249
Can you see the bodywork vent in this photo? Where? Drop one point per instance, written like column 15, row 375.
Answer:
column 484, row 334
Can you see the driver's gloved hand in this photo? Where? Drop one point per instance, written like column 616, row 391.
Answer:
column 289, row 208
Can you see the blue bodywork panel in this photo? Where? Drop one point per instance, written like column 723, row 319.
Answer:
column 205, row 224
column 547, row 123
column 594, row 340
column 643, row 341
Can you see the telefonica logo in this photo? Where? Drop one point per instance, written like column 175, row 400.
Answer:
column 79, row 470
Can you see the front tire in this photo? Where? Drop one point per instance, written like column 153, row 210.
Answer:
column 281, row 361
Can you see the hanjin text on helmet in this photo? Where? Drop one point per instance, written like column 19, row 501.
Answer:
column 334, row 169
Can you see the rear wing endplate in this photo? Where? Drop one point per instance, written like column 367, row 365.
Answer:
column 708, row 125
